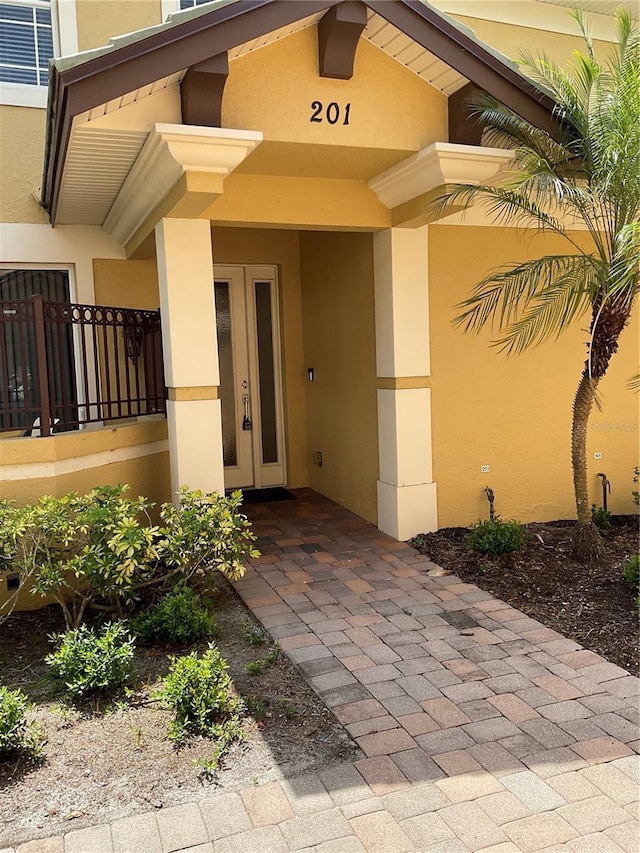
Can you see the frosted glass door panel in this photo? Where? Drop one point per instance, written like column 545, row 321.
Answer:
column 266, row 372
column 227, row 381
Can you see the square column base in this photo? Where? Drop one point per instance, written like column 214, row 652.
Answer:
column 195, row 444
column 405, row 511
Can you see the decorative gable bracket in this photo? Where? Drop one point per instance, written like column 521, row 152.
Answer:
column 201, row 91
column 339, row 31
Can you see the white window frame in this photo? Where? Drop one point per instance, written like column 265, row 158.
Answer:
column 65, row 42
column 167, row 7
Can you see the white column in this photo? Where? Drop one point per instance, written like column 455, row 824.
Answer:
column 406, row 491
column 185, row 275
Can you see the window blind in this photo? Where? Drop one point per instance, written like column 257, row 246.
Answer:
column 26, row 42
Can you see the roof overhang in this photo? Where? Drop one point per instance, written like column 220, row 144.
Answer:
column 439, row 49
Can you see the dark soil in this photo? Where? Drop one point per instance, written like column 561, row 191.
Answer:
column 595, row 608
column 103, row 764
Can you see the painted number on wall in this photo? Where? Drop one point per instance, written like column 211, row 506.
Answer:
column 332, row 113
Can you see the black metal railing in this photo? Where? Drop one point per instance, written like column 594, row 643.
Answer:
column 64, row 365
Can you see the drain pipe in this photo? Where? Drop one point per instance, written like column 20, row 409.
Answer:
column 606, row 490
column 490, row 497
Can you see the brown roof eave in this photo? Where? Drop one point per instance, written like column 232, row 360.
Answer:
column 114, row 73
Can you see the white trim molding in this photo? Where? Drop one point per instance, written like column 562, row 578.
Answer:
column 438, row 164
column 67, row 27
column 59, row 467
column 171, row 151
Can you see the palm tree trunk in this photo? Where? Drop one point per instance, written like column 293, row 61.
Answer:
column 606, row 327
column 587, row 543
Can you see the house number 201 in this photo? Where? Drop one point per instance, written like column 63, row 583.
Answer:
column 332, row 113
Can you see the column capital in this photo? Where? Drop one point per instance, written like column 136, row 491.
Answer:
column 441, row 163
column 170, row 152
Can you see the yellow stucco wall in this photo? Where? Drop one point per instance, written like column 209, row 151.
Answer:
column 88, row 452
column 272, row 90
column 21, row 146
column 514, row 414
column 100, row 21
column 513, row 40
column 127, row 284
column 267, row 246
column 339, row 343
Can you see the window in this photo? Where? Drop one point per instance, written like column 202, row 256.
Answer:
column 189, row 4
column 26, row 42
column 19, row 389
column 31, row 33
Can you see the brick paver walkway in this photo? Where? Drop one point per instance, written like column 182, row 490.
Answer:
column 481, row 729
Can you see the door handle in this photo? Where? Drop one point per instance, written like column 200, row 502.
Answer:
column 246, row 420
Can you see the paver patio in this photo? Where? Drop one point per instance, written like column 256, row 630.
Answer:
column 481, row 729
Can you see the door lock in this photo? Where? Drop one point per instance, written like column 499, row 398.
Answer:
column 246, row 420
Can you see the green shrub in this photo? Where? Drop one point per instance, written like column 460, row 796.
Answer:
column 631, row 570
column 17, row 734
column 93, row 662
column 496, row 537
column 102, row 546
column 601, row 518
column 198, row 690
column 179, row 618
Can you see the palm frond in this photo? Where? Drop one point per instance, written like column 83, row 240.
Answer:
column 530, row 302
column 507, row 207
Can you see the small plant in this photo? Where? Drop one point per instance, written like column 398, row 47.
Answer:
column 631, row 570
column 254, row 636
column 256, row 707
column 257, row 667
column 496, row 537
column 138, row 733
column 635, row 494
column 179, row 618
column 198, row 690
column 17, row 734
column 601, row 518
column 289, row 709
column 207, row 767
column 92, row 662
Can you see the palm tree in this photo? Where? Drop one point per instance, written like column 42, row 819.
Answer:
column 586, row 175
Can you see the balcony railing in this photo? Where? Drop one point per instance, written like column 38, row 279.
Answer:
column 65, row 365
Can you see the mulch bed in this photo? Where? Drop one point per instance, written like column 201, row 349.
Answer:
column 107, row 763
column 595, row 608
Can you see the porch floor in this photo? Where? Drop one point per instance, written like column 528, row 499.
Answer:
column 480, row 728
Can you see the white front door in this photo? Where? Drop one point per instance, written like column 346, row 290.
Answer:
column 247, row 319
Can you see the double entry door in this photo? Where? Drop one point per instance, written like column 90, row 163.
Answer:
column 247, row 317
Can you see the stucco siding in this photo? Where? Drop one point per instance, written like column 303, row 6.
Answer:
column 339, row 344
column 514, row 414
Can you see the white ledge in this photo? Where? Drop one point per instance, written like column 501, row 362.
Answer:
column 169, row 152
column 438, row 164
